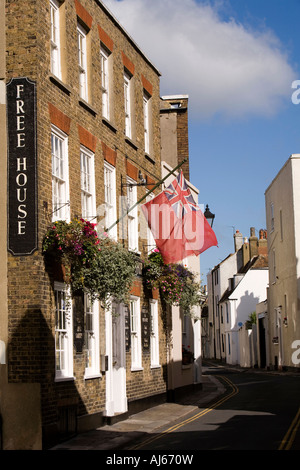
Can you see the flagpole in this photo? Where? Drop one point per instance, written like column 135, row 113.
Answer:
column 147, row 194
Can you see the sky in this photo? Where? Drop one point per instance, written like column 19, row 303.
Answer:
column 239, row 63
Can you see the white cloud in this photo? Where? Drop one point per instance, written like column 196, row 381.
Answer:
column 224, row 67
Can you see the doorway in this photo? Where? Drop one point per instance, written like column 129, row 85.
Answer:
column 262, row 343
column 116, row 398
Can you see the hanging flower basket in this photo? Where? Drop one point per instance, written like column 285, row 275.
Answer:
column 94, row 264
column 176, row 284
column 187, row 357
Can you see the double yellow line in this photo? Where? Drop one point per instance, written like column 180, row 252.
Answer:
column 234, row 391
column 288, row 439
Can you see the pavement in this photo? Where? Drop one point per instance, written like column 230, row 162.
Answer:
column 126, row 433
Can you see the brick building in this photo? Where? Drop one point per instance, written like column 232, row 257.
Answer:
column 83, row 123
column 183, row 375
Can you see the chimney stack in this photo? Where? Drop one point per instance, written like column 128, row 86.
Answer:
column 263, row 243
column 253, row 242
column 238, row 240
column 246, row 251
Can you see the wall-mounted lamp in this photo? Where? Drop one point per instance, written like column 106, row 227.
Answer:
column 142, row 181
column 209, row 216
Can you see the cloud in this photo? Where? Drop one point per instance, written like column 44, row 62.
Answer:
column 226, row 68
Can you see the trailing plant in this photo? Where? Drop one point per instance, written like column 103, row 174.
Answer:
column 96, row 264
column 176, row 283
column 252, row 317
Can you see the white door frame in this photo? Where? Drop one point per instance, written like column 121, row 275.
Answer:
column 116, row 398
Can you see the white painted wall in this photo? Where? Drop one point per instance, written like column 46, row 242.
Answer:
column 184, row 375
column 251, row 290
column 284, row 242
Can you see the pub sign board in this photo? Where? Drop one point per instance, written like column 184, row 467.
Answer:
column 22, row 166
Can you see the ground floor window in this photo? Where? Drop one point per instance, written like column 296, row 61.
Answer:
column 91, row 336
column 135, row 330
column 154, row 338
column 187, row 338
column 63, row 332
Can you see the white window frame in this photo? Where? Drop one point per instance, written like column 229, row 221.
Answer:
column 110, row 199
column 60, row 175
column 185, row 331
column 281, row 225
column 146, row 106
column 274, row 265
column 154, row 334
column 227, row 312
column 272, row 217
column 55, row 47
column 82, row 62
column 91, row 338
column 87, row 177
column 132, row 216
column 150, row 238
column 105, row 82
column 63, row 332
column 127, row 104
column 135, row 332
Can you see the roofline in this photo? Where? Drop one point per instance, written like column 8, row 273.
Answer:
column 123, row 30
column 221, row 262
column 174, row 97
column 293, row 156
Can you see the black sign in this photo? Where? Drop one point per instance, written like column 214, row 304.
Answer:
column 22, row 169
column 145, row 320
column 127, row 328
column 78, row 319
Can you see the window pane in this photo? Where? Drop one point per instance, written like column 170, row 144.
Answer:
column 82, row 62
column 55, row 40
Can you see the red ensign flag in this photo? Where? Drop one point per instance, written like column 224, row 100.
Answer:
column 177, row 223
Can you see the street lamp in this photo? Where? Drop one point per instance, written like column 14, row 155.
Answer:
column 209, row 216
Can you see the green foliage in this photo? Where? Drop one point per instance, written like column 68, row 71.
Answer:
column 252, row 318
column 98, row 266
column 177, row 285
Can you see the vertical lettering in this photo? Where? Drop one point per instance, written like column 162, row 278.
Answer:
column 21, row 227
column 23, row 181
column 20, row 88
column 21, row 111
column 20, row 105
column 22, row 162
column 22, row 211
column 20, row 123
column 24, row 194
column 21, row 140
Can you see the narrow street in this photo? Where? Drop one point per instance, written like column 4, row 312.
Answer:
column 258, row 411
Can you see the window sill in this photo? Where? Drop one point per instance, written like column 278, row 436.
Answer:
column 151, row 159
column 56, row 81
column 131, row 143
column 158, row 366
column 92, row 376
column 109, row 124
column 64, row 379
column 136, row 369
column 87, row 107
column 135, row 251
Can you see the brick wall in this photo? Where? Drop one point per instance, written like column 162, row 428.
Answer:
column 182, row 138
column 30, row 290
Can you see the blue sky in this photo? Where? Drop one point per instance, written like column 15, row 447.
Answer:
column 236, row 59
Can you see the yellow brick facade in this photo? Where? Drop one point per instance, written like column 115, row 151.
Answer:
column 31, row 309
